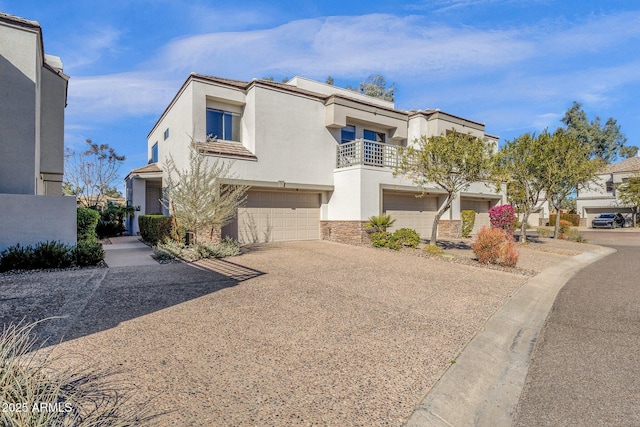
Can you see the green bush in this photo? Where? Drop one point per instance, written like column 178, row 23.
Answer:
column 545, row 232
column 52, row 255
column 574, row 235
column 406, row 237
column 16, row 258
column 155, row 228
column 468, row 221
column 43, row 255
column 433, row 249
column 383, row 239
column 87, row 221
column 518, row 225
column 573, row 219
column 87, row 253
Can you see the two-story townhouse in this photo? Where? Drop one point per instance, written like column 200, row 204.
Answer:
column 602, row 197
column 33, row 97
column 319, row 159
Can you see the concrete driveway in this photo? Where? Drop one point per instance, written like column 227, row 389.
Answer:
column 308, row 333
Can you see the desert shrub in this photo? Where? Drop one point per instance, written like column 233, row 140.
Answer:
column 383, row 239
column 52, row 255
column 503, row 217
column 379, row 223
column 170, row 249
column 573, row 219
column 433, row 250
column 87, row 221
column 518, row 224
column 574, row 235
column 564, row 227
column 16, row 257
column 87, row 253
column 545, row 232
column 83, row 395
column 494, row 246
column 155, row 228
column 468, row 221
column 407, row 237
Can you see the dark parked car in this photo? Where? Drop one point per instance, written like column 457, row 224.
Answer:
column 608, row 220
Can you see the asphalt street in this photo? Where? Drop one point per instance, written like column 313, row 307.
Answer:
column 586, row 367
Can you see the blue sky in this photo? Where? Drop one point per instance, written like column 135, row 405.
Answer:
column 516, row 65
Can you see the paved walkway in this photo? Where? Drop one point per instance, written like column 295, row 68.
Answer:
column 127, row 251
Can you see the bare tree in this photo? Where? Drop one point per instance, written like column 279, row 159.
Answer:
column 90, row 174
column 197, row 197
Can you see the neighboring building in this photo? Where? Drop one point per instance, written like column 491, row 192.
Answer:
column 319, row 159
column 601, row 197
column 33, row 96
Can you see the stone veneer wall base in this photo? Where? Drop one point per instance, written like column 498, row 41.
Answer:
column 352, row 232
column 450, row 228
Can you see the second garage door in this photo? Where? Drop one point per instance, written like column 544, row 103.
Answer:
column 481, row 208
column 276, row 216
column 412, row 212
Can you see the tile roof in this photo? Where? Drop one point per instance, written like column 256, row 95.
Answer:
column 17, row 20
column 628, row 165
column 227, row 149
column 150, row 168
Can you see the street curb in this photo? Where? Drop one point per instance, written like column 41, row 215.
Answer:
column 482, row 388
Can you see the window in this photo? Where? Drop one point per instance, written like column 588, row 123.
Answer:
column 166, row 134
column 609, row 187
column 370, row 135
column 154, row 153
column 223, row 125
column 348, row 134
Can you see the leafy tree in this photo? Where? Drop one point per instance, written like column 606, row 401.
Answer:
column 113, row 192
column 629, row 195
column 628, row 151
column 451, row 161
column 375, row 85
column 517, row 164
column 605, row 141
column 90, row 174
column 329, row 80
column 567, row 165
column 196, row 196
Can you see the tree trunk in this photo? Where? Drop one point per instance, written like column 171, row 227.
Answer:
column 556, row 228
column 523, row 226
column 436, row 220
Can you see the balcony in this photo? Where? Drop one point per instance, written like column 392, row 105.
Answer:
column 369, row 153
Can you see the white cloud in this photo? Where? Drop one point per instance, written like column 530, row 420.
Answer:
column 90, row 46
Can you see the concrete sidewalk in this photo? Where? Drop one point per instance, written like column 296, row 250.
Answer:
column 483, row 385
column 127, row 251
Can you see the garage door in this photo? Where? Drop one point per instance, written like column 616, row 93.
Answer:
column 412, row 212
column 594, row 212
column 481, row 208
column 276, row 216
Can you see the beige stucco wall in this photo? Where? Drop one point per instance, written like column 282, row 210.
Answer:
column 28, row 219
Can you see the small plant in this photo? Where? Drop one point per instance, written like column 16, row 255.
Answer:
column 503, row 217
column 170, row 249
column 545, row 232
column 407, row 237
column 433, row 250
column 379, row 223
column 564, row 227
column 88, row 253
column 87, row 220
column 574, row 235
column 494, row 246
column 468, row 221
column 75, row 396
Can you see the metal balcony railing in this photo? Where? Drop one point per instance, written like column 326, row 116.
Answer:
column 370, row 153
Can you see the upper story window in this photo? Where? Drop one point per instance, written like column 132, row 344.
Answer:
column 348, row 134
column 166, row 134
column 370, row 135
column 223, row 125
column 154, row 153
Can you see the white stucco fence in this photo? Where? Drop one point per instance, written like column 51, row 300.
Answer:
column 28, row 219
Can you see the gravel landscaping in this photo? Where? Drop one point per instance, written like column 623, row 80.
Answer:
column 299, row 333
